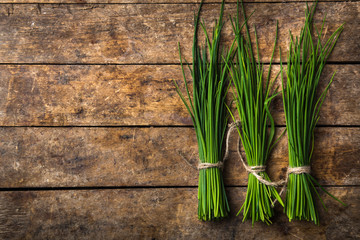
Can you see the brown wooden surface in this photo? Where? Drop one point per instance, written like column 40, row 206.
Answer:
column 78, row 157
column 149, row 33
column 149, row 1
column 134, row 95
column 90, row 150
column 160, row 214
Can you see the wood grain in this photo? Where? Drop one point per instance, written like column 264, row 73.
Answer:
column 126, row 179
column 149, row 33
column 134, row 95
column 80, row 157
column 144, row 1
column 161, row 214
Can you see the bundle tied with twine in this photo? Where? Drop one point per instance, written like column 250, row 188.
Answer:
column 207, row 108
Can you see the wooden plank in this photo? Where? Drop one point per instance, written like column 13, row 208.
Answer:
column 144, row 1
column 148, row 33
column 90, row 95
column 160, row 214
column 78, row 157
column 60, row 95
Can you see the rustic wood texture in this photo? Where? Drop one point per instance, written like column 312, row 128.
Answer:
column 134, row 95
column 114, row 171
column 161, row 214
column 78, row 157
column 147, row 1
column 149, row 33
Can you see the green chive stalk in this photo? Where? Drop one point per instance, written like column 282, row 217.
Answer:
column 253, row 95
column 208, row 111
column 306, row 61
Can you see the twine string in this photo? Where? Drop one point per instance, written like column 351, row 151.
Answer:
column 254, row 170
column 206, row 165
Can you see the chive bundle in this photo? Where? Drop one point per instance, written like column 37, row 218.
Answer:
column 253, row 97
column 306, row 62
column 209, row 115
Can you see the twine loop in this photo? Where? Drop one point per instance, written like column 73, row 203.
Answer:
column 299, row 170
column 219, row 164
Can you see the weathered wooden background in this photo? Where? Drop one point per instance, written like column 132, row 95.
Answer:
column 91, row 123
